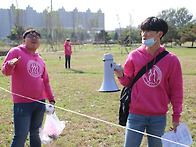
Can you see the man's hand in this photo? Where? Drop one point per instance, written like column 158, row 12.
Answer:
column 175, row 124
column 14, row 61
column 119, row 72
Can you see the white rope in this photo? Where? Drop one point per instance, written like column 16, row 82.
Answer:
column 96, row 118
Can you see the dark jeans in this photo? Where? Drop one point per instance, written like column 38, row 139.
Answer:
column 28, row 117
column 67, row 61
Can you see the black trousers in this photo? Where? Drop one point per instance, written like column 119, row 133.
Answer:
column 67, row 61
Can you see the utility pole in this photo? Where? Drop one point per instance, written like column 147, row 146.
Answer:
column 51, row 5
column 52, row 33
column 16, row 14
column 51, row 38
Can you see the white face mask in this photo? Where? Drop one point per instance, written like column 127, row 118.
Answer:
column 149, row 42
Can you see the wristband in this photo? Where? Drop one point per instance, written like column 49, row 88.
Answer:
column 52, row 101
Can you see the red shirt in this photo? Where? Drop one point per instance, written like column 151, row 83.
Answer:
column 67, row 47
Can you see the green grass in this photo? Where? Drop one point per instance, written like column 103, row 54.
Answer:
column 77, row 90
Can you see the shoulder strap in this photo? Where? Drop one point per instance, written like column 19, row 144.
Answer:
column 149, row 65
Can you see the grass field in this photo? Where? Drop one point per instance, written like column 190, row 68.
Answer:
column 77, row 90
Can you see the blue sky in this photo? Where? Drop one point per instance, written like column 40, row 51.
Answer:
column 115, row 11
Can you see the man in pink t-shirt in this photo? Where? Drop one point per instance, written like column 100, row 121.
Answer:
column 68, row 53
column 29, row 79
column 159, row 86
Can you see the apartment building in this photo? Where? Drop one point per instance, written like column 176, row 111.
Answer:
column 91, row 21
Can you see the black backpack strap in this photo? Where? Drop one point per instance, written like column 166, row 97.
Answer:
column 150, row 65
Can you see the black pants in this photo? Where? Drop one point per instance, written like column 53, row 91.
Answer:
column 67, row 61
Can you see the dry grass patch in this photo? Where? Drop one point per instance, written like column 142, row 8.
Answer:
column 77, row 90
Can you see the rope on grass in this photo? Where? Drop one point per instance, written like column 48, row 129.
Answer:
column 96, row 118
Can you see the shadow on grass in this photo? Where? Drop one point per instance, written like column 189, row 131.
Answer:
column 74, row 71
column 78, row 71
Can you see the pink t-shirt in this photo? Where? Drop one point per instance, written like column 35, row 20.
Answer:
column 161, row 85
column 68, row 50
column 29, row 76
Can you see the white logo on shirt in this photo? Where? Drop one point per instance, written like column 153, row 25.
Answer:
column 34, row 68
column 153, row 77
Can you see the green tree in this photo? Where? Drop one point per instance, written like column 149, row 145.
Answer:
column 176, row 20
column 126, row 36
column 18, row 30
column 135, row 36
column 49, row 25
column 115, row 37
column 103, row 36
column 168, row 15
column 188, row 33
column 16, row 34
column 171, row 36
column 182, row 17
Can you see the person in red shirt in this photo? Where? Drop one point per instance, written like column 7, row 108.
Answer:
column 68, row 53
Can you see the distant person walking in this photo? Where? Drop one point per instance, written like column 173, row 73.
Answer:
column 29, row 78
column 68, row 53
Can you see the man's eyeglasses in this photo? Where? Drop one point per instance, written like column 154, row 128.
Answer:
column 31, row 36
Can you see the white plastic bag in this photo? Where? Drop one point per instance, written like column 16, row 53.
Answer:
column 52, row 128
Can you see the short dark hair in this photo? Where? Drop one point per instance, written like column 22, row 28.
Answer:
column 154, row 24
column 30, row 31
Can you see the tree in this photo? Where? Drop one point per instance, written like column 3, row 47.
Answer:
column 188, row 33
column 48, row 25
column 18, row 30
column 115, row 36
column 103, row 36
column 171, row 35
column 176, row 19
column 16, row 34
column 182, row 17
column 136, row 35
column 168, row 15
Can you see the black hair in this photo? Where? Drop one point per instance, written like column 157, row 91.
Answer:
column 30, row 32
column 154, row 24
